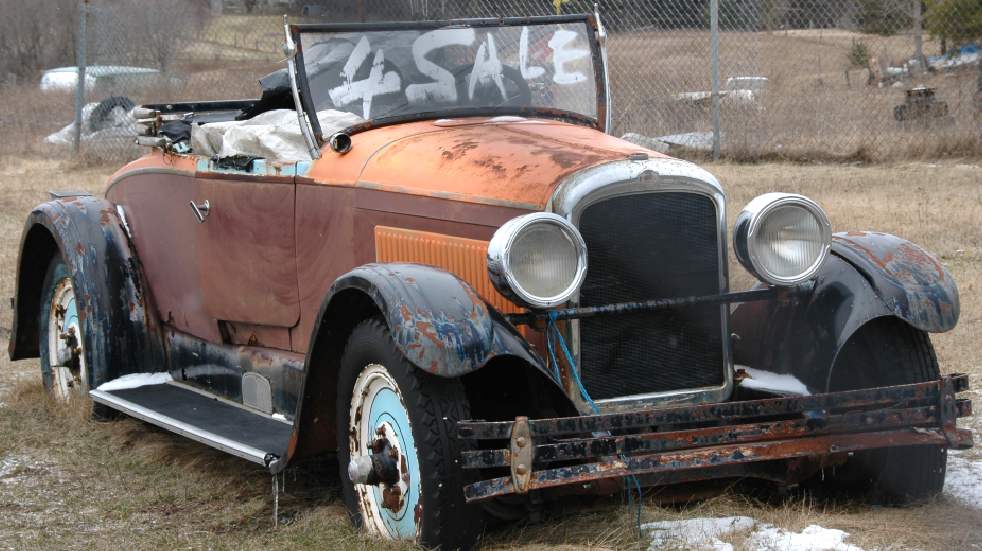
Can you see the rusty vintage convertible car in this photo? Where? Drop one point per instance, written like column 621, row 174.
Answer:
column 422, row 251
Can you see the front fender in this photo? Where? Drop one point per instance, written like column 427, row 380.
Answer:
column 910, row 281
column 867, row 276
column 116, row 318
column 437, row 320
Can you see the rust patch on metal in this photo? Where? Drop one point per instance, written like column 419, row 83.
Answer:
column 920, row 289
column 815, row 429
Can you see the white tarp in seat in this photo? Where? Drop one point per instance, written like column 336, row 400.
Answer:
column 273, row 135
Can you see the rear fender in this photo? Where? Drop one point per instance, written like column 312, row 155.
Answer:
column 867, row 276
column 121, row 336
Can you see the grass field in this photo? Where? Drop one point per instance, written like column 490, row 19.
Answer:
column 67, row 482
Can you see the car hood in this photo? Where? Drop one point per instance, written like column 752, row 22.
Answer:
column 503, row 160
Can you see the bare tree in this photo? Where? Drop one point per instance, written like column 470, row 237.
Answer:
column 158, row 31
column 36, row 35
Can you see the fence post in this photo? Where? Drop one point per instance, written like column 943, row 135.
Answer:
column 714, row 54
column 919, row 37
column 80, row 45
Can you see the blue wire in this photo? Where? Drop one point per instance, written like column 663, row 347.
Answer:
column 551, row 329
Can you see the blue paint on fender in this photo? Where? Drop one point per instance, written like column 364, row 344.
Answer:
column 869, row 275
column 912, row 282
column 438, row 322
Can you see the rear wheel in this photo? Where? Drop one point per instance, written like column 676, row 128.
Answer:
column 391, row 412
column 63, row 369
column 885, row 352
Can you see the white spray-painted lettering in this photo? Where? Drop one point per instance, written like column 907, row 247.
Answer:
column 442, row 88
column 562, row 54
column 379, row 81
column 529, row 72
column 487, row 69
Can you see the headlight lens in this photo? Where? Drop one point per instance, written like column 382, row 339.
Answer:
column 537, row 260
column 782, row 238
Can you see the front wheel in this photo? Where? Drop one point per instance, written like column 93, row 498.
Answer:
column 885, row 352
column 396, row 448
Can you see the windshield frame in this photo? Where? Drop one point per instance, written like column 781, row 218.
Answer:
column 599, row 71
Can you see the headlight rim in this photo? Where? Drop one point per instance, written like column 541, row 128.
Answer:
column 499, row 260
column 749, row 222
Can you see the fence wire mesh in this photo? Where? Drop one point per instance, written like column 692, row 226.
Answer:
column 797, row 78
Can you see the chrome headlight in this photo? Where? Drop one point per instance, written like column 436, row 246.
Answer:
column 782, row 238
column 537, row 260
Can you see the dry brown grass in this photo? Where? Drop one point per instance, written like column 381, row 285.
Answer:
column 84, row 485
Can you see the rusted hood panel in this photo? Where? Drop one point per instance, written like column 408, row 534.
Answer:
column 515, row 163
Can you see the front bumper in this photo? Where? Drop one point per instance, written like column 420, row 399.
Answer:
column 549, row 453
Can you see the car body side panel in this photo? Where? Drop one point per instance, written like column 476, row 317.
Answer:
column 155, row 200
column 336, row 232
column 246, row 250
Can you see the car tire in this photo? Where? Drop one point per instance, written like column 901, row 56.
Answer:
column 64, row 380
column 379, row 392
column 884, row 352
column 102, row 116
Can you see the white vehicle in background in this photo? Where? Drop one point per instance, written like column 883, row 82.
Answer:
column 742, row 90
column 112, row 76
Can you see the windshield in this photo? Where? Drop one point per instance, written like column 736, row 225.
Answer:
column 400, row 71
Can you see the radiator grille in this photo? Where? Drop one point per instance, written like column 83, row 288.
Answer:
column 642, row 247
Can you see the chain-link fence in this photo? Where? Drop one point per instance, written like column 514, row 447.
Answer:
column 796, row 78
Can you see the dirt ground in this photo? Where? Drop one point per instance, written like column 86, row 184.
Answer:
column 70, row 483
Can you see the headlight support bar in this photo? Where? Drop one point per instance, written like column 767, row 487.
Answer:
column 771, row 293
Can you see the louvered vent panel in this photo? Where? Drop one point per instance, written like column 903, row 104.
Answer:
column 466, row 258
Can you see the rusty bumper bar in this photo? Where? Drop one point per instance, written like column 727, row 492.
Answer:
column 598, row 447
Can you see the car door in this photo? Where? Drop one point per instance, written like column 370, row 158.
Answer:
column 246, row 252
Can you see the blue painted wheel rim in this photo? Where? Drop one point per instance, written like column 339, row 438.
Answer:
column 63, row 319
column 378, row 411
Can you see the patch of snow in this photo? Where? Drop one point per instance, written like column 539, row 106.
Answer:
column 812, row 538
column 280, row 417
column 701, row 533
column 963, row 480
column 7, row 466
column 778, row 383
column 706, row 534
column 136, row 380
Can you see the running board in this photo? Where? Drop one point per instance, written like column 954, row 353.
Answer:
column 222, row 425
